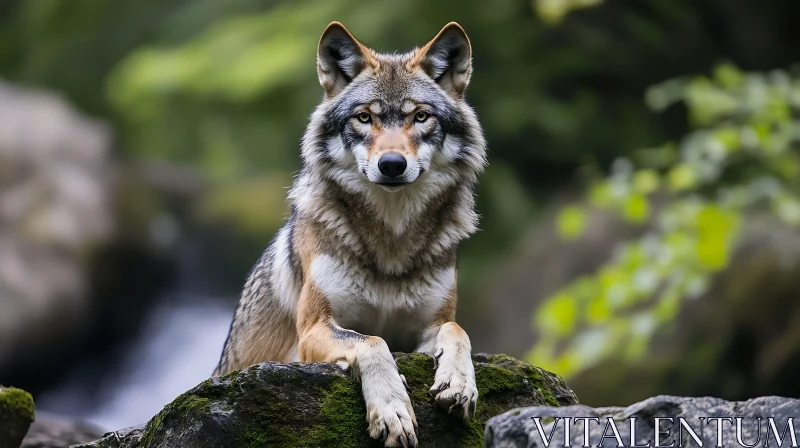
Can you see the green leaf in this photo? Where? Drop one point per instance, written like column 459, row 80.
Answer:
column 597, row 311
column 728, row 75
column 681, row 178
column 571, row 222
column 636, row 208
column 557, row 315
column 728, row 137
column 715, row 226
column 645, row 181
column 712, row 251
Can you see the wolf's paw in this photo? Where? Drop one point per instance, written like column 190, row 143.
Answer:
column 454, row 385
column 391, row 418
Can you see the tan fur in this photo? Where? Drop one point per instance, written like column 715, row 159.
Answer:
column 392, row 141
column 274, row 345
column 447, row 313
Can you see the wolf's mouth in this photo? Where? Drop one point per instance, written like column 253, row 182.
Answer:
column 392, row 186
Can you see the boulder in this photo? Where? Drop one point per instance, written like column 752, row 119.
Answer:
column 84, row 242
column 518, row 428
column 319, row 404
column 54, row 209
column 16, row 415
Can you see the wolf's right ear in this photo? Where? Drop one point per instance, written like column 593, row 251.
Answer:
column 448, row 59
column 340, row 58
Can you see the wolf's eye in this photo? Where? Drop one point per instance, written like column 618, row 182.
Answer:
column 421, row 116
column 364, row 117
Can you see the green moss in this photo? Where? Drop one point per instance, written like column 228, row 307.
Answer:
column 339, row 420
column 537, row 380
column 231, row 377
column 342, row 421
column 473, row 437
column 191, row 405
column 490, row 379
column 271, row 420
column 16, row 402
column 502, row 375
column 532, row 374
column 418, row 370
column 150, row 430
column 267, row 426
column 186, row 406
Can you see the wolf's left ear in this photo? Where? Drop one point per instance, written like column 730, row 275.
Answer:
column 340, row 58
column 448, row 59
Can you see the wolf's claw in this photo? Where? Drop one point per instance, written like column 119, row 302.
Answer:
column 454, row 386
column 435, row 390
column 436, row 357
column 405, row 383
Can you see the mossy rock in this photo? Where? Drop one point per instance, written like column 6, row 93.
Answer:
column 320, row 405
column 635, row 425
column 16, row 416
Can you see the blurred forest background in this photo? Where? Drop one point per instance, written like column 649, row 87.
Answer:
column 639, row 231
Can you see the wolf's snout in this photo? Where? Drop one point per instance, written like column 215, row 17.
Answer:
column 392, row 164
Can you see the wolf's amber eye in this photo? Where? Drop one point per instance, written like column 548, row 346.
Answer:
column 364, row 117
column 421, row 116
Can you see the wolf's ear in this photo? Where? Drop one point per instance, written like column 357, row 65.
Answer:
column 448, row 59
column 340, row 58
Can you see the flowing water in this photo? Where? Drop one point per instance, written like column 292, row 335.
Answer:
column 177, row 350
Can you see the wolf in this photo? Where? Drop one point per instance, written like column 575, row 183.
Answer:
column 366, row 262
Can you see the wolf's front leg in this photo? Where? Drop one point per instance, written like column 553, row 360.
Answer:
column 454, row 383
column 389, row 413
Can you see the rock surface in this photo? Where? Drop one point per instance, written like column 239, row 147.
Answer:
column 316, row 404
column 518, row 429
column 54, row 208
column 55, row 431
column 16, row 415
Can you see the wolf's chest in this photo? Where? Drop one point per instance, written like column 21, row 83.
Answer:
column 396, row 308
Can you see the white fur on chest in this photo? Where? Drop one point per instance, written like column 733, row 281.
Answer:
column 350, row 290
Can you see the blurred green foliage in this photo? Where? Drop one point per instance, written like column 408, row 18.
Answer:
column 554, row 11
column 225, row 87
column 740, row 158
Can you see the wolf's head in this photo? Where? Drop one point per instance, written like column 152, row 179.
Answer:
column 395, row 123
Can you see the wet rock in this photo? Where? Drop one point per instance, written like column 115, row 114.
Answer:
column 318, row 404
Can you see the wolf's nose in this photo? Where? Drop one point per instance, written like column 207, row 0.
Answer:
column 392, row 164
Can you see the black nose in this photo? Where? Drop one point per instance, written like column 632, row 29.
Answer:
column 392, row 164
